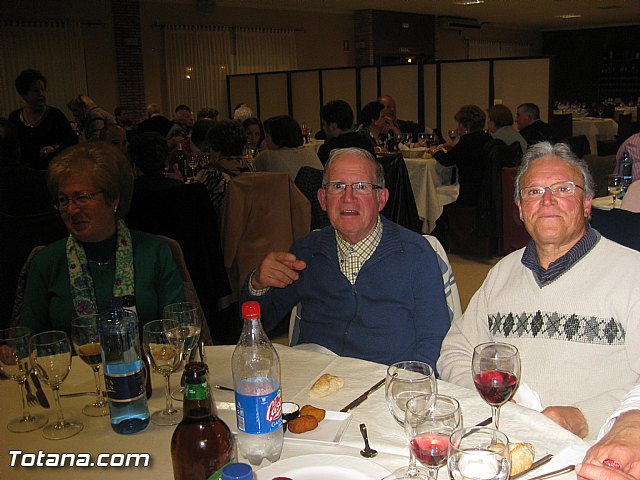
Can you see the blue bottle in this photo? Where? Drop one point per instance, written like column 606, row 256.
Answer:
column 626, row 165
column 124, row 373
column 237, row 471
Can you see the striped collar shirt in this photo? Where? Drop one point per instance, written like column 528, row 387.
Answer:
column 561, row 265
column 352, row 257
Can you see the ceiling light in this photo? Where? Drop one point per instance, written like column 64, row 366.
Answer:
column 569, row 15
column 468, row 2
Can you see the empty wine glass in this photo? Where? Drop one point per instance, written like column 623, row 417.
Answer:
column 165, row 358
column 406, row 138
column 614, row 186
column 51, row 355
column 422, row 139
column 429, row 422
column 495, row 368
column 478, row 454
column 453, row 134
column 431, row 140
column 193, row 161
column 86, row 342
column 15, row 362
column 404, row 381
column 190, row 318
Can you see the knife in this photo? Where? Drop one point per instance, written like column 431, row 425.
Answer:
column 555, row 473
column 42, row 398
column 534, row 465
column 363, row 397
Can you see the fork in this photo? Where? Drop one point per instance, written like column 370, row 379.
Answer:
column 31, row 398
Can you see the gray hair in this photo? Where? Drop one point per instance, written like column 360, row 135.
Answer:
column 563, row 152
column 356, row 152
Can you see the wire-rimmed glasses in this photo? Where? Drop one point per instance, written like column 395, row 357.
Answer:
column 51, row 356
column 15, row 362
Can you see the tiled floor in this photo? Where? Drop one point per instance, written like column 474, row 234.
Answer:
column 470, row 273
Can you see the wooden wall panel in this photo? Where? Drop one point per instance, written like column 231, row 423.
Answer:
column 340, row 85
column 242, row 89
column 430, row 96
column 305, row 94
column 273, row 95
column 401, row 82
column 523, row 81
column 463, row 83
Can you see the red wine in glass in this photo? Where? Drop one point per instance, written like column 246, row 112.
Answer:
column 496, row 386
column 431, row 449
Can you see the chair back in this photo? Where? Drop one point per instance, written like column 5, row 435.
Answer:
column 20, row 287
column 579, row 145
column 309, row 181
column 263, row 212
column 561, row 125
column 626, row 128
column 514, row 235
column 401, row 206
column 621, row 226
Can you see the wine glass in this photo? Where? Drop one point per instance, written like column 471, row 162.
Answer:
column 478, row 454
column 431, row 140
column 193, row 161
column 600, row 110
column 429, row 422
column 495, row 368
column 453, row 134
column 86, row 342
column 164, row 357
column 406, row 139
column 51, row 355
column 614, row 186
column 422, row 139
column 189, row 317
column 15, row 363
column 405, row 380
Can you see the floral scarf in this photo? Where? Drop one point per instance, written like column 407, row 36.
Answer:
column 82, row 289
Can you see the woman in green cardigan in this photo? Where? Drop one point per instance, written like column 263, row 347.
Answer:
column 92, row 185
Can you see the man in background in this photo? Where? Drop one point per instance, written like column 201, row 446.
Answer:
column 530, row 126
column 337, row 123
column 155, row 121
column 405, row 126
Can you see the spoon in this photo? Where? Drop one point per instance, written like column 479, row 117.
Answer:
column 367, row 451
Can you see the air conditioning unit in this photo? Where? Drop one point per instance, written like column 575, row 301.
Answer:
column 458, row 23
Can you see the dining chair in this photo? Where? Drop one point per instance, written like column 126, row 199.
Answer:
column 514, row 235
column 20, row 286
column 401, row 206
column 309, row 181
column 625, row 127
column 561, row 125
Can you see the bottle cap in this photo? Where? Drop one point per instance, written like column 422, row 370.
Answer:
column 237, row 471
column 250, row 310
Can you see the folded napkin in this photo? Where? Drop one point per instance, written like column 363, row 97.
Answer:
column 567, row 456
column 528, row 397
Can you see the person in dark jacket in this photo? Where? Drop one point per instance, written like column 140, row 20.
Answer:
column 531, row 127
column 337, row 123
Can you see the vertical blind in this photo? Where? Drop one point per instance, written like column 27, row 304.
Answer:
column 41, row 45
column 198, row 59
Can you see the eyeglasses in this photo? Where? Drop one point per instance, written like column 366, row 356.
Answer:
column 358, row 188
column 80, row 199
column 558, row 190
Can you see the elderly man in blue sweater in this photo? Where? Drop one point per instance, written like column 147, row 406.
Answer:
column 368, row 288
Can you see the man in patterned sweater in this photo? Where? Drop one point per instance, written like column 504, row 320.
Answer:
column 570, row 302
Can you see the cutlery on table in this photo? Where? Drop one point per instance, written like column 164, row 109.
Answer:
column 31, row 398
column 42, row 398
column 222, row 387
column 538, row 463
column 485, row 422
column 555, row 473
column 80, row 394
column 367, row 451
column 363, row 397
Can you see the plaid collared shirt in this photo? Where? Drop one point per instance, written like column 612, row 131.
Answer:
column 352, row 257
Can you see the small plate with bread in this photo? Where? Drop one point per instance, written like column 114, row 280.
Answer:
column 328, row 431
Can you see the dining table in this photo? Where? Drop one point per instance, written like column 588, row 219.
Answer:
column 432, row 189
column 300, row 369
column 595, row 129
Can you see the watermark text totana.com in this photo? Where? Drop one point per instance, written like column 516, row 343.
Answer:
column 19, row 458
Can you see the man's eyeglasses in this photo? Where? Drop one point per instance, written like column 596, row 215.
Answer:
column 80, row 199
column 358, row 188
column 558, row 190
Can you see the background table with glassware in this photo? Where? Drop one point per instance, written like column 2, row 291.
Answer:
column 300, row 369
column 595, row 129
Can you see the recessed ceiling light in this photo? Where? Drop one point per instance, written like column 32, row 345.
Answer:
column 468, row 2
column 569, row 15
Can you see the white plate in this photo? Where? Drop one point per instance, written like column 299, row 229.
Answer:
column 605, row 203
column 323, row 467
column 329, row 431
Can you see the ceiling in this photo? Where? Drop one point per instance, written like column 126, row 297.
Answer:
column 520, row 14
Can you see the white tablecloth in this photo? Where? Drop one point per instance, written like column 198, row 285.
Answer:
column 594, row 129
column 299, row 370
column 431, row 187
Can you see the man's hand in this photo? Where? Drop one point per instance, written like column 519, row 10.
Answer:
column 569, row 418
column 277, row 269
column 589, row 471
column 621, row 444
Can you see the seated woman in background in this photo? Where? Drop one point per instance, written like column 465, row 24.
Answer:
column 92, row 185
column 285, row 153
column 379, row 129
column 91, row 118
column 255, row 134
column 468, row 154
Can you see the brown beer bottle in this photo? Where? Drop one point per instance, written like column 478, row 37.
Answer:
column 202, row 443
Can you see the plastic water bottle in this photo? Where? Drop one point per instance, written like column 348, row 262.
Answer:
column 627, row 172
column 124, row 374
column 256, row 376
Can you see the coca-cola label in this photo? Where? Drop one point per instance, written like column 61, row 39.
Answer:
column 259, row 414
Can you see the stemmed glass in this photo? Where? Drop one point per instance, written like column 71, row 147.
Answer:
column 453, row 134
column 422, row 139
column 478, row 454
column 406, row 138
column 51, row 355
column 614, row 186
column 86, row 342
column 193, row 161
column 165, row 358
column 429, row 422
column 495, row 368
column 15, row 363
column 404, row 381
column 189, row 317
column 431, row 140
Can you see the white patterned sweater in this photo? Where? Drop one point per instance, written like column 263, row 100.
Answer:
column 578, row 337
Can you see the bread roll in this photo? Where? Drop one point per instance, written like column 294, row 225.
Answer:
column 326, row 385
column 303, row 423
column 522, row 455
column 319, row 413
